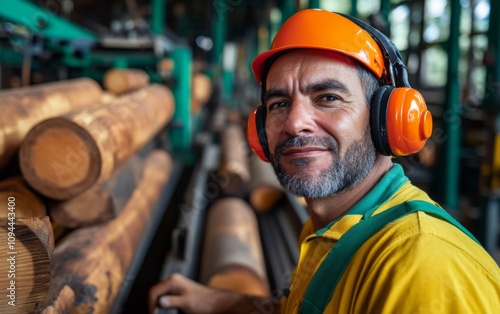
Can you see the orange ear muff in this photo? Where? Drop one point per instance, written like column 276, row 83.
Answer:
column 256, row 133
column 400, row 121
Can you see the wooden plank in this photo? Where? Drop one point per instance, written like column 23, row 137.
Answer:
column 65, row 156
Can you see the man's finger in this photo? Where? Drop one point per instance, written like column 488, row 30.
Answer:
column 172, row 286
column 158, row 290
column 170, row 301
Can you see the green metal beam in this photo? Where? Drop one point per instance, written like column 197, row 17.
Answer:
column 451, row 116
column 158, row 16
column 385, row 11
column 219, row 34
column 182, row 128
column 287, row 9
column 314, row 4
column 40, row 20
column 354, row 8
column 10, row 57
column 492, row 94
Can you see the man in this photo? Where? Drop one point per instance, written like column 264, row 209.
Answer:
column 334, row 91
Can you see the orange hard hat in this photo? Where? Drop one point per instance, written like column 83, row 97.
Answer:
column 325, row 30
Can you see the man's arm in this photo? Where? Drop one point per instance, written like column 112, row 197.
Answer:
column 192, row 297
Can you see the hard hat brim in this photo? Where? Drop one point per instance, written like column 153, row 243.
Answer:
column 324, row 30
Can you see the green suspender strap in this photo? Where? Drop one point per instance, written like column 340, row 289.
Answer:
column 326, row 278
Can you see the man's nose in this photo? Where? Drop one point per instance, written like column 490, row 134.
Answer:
column 300, row 118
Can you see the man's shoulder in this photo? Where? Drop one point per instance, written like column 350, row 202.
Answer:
column 423, row 238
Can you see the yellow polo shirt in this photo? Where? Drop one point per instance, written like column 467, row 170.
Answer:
column 417, row 264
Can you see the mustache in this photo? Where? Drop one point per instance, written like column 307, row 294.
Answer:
column 302, row 141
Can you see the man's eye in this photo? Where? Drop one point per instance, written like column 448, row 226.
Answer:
column 278, row 104
column 329, row 98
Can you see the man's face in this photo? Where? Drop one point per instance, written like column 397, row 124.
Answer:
column 317, row 123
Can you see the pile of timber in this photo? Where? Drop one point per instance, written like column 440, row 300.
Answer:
column 79, row 180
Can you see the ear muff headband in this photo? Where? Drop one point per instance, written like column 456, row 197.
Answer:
column 396, row 72
column 378, row 119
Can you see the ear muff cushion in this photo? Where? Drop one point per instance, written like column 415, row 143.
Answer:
column 260, row 121
column 256, row 133
column 378, row 119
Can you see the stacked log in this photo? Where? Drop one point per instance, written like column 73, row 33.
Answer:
column 234, row 161
column 25, row 266
column 90, row 264
column 81, row 169
column 121, row 81
column 232, row 255
column 63, row 157
column 22, row 108
column 28, row 203
column 101, row 202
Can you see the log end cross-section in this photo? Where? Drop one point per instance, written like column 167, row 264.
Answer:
column 59, row 158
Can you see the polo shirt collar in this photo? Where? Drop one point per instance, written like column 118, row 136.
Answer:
column 382, row 192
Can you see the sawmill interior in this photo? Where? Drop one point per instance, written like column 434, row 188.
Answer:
column 123, row 141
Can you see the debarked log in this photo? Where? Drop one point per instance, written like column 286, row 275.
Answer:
column 26, row 246
column 90, row 264
column 22, row 108
column 63, row 157
column 120, row 81
column 232, row 254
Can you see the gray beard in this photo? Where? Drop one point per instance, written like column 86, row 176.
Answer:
column 342, row 175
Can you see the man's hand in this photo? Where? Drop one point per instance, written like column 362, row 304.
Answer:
column 191, row 297
column 184, row 293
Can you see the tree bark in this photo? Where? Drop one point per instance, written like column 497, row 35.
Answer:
column 22, row 108
column 91, row 263
column 121, row 81
column 63, row 157
column 26, row 261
